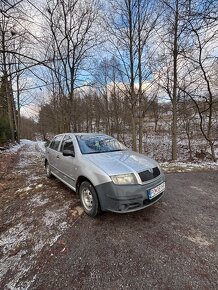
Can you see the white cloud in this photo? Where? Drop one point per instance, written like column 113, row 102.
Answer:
column 30, row 111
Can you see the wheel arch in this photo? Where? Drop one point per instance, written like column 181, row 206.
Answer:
column 79, row 182
column 80, row 179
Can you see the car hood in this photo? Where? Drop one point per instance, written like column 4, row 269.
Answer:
column 121, row 162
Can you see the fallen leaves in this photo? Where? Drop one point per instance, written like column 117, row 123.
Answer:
column 6, row 162
column 77, row 211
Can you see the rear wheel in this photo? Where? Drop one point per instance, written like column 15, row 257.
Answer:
column 89, row 199
column 48, row 170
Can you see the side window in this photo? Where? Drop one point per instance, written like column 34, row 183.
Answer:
column 55, row 143
column 67, row 144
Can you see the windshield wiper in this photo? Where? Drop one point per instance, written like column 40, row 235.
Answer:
column 114, row 150
column 105, row 151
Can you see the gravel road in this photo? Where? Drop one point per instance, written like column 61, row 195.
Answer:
column 47, row 242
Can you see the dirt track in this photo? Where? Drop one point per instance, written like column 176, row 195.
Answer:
column 47, row 242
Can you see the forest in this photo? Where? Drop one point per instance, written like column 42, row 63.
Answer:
column 143, row 71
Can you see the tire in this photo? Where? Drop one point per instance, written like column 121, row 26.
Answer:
column 48, row 170
column 89, row 199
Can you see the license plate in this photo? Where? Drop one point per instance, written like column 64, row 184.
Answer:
column 156, row 190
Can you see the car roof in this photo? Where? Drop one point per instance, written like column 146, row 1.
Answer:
column 79, row 134
column 94, row 134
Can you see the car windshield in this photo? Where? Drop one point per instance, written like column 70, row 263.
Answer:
column 90, row 144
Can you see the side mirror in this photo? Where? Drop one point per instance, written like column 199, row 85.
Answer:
column 68, row 153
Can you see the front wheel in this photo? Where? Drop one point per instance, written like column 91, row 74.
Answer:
column 89, row 199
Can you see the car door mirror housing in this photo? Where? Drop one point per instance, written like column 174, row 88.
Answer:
column 67, row 152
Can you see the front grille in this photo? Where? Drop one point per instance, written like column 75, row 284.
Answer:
column 148, row 175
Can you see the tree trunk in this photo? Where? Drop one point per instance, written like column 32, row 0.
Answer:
column 140, row 79
column 213, row 154
column 187, row 128
column 174, row 96
column 134, row 145
column 15, row 119
column 10, row 110
column 132, row 77
column 7, row 88
column 140, row 132
column 18, row 111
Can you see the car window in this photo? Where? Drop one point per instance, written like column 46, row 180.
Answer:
column 67, row 144
column 55, row 143
column 90, row 144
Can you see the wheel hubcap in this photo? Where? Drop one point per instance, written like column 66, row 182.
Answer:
column 87, row 198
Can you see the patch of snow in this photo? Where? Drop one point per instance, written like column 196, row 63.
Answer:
column 14, row 148
column 12, row 237
column 25, row 189
column 38, row 200
column 199, row 240
column 40, row 146
column 23, row 242
column 30, row 156
column 198, row 189
column 26, row 141
column 25, row 238
column 51, row 217
column 187, row 166
column 32, row 178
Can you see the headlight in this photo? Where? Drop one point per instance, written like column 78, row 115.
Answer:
column 124, row 179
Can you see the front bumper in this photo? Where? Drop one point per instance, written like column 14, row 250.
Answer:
column 127, row 198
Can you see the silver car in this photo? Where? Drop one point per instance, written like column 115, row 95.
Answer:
column 106, row 175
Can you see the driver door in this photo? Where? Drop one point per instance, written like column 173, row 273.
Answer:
column 67, row 164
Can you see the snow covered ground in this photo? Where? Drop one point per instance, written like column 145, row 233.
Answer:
column 159, row 148
column 35, row 213
column 188, row 166
column 40, row 146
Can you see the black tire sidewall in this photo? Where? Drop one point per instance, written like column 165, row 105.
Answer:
column 95, row 204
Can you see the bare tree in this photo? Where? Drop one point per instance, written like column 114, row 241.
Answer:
column 130, row 26
column 200, row 74
column 5, row 38
column 172, row 40
column 107, row 78
column 73, row 36
column 15, row 40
